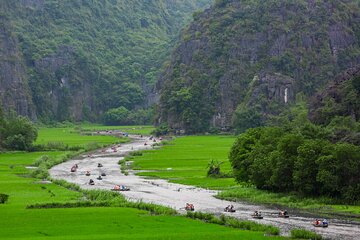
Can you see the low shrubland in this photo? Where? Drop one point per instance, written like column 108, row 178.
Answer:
column 234, row 222
column 304, row 234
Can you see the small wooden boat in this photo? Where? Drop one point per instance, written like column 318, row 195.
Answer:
column 103, row 174
column 87, row 173
column 229, row 209
column 283, row 214
column 257, row 216
column 120, row 188
column 320, row 224
column 189, row 207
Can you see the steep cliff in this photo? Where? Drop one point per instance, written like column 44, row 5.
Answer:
column 255, row 56
column 14, row 89
column 82, row 58
column 340, row 97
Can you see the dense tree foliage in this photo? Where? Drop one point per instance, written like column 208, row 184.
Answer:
column 339, row 98
column 300, row 156
column 16, row 132
column 84, row 57
column 122, row 116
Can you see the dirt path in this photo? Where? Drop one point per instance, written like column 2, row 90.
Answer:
column 176, row 195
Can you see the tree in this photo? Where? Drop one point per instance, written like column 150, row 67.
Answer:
column 240, row 154
column 306, row 166
column 347, row 156
column 116, row 116
column 19, row 133
column 245, row 119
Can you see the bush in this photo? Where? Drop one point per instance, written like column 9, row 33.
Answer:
column 163, row 129
column 234, row 222
column 304, row 234
column 3, row 198
column 136, row 153
column 214, row 168
column 18, row 133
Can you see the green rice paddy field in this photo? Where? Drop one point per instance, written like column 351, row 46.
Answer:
column 188, row 157
column 18, row 222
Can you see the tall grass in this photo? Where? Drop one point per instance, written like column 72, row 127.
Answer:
column 234, row 222
column 46, row 162
column 304, row 234
column 102, row 198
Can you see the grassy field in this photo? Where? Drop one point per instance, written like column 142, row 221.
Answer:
column 69, row 136
column 145, row 130
column 188, row 158
column 18, row 222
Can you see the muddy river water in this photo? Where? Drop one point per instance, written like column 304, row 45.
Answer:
column 176, row 196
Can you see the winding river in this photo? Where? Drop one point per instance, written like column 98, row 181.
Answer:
column 176, row 196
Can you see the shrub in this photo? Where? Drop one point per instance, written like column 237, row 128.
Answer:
column 136, row 153
column 304, row 234
column 18, row 132
column 234, row 222
column 3, row 198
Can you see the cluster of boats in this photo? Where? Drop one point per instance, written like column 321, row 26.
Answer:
column 100, row 177
column 257, row 215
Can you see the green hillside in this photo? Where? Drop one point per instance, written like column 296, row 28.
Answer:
column 81, row 58
column 240, row 62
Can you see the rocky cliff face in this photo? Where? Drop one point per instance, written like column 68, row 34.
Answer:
column 74, row 60
column 341, row 97
column 14, row 89
column 299, row 44
column 60, row 90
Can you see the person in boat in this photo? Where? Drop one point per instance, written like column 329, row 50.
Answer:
column 91, row 182
column 99, row 178
column 232, row 208
column 317, row 222
column 256, row 213
column 325, row 222
column 227, row 208
column 145, row 144
column 189, row 206
column 123, row 187
column 116, row 187
column 100, row 165
column 87, row 173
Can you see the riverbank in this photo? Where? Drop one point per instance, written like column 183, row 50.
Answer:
column 177, row 195
column 96, row 222
column 188, row 158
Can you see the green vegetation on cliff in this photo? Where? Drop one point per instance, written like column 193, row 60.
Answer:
column 303, row 157
column 85, row 57
column 254, row 57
